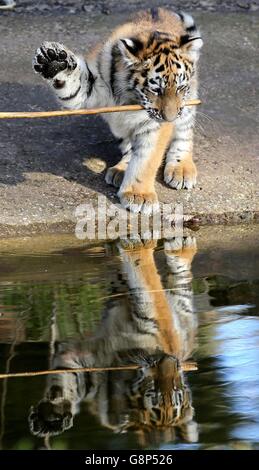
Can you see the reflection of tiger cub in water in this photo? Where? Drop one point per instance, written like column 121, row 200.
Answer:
column 144, row 323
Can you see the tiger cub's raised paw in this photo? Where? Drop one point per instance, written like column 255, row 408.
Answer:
column 52, row 58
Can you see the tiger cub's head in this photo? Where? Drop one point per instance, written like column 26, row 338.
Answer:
column 154, row 402
column 161, row 67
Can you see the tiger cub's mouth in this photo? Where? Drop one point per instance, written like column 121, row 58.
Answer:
column 158, row 115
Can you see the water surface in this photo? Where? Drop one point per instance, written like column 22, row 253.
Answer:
column 121, row 304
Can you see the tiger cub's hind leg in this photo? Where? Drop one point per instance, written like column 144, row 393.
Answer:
column 115, row 174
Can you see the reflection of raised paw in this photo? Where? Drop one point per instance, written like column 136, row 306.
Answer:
column 52, row 58
column 181, row 175
column 114, row 176
column 51, row 416
column 185, row 247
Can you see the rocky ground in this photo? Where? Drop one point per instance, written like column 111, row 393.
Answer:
column 49, row 167
column 107, row 7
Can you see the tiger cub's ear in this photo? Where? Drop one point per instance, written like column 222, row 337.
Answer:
column 191, row 45
column 130, row 49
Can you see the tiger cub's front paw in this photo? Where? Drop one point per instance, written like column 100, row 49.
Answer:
column 52, row 58
column 136, row 201
column 181, row 175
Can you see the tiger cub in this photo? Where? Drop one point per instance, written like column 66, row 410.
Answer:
column 150, row 61
column 147, row 321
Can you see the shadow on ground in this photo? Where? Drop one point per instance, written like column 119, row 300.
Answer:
column 59, row 146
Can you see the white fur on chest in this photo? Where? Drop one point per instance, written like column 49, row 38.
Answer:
column 127, row 124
